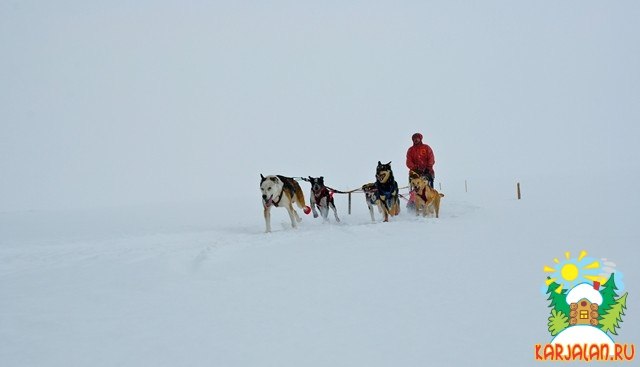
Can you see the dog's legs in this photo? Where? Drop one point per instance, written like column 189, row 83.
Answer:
column 267, row 218
column 432, row 208
column 436, row 206
column 384, row 210
column 313, row 205
column 392, row 206
column 373, row 218
column 395, row 206
column 292, row 215
column 295, row 214
column 335, row 212
column 324, row 209
column 298, row 199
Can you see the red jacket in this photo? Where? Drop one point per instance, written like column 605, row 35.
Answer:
column 420, row 158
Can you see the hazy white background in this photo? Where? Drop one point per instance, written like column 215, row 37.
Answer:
column 166, row 112
column 126, row 103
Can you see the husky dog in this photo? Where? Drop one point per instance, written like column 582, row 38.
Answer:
column 370, row 196
column 386, row 191
column 427, row 199
column 321, row 198
column 281, row 191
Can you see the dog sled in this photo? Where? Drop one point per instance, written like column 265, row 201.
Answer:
column 384, row 193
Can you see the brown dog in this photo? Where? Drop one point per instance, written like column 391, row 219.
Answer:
column 427, row 200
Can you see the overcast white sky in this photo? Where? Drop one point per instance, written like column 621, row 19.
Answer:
column 119, row 102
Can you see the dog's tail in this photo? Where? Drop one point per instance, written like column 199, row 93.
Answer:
column 299, row 195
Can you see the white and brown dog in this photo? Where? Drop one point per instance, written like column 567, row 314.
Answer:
column 427, row 199
column 281, row 191
column 322, row 199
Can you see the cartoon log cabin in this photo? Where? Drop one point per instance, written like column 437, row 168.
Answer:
column 584, row 301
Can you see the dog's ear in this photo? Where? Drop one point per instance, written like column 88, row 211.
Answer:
column 261, row 178
column 310, row 178
column 388, row 164
column 274, row 179
column 379, row 163
column 322, row 178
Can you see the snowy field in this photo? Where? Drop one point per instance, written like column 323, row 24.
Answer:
column 133, row 136
column 202, row 285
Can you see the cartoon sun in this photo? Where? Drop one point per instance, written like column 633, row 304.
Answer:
column 571, row 272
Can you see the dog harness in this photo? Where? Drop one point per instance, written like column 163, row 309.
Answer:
column 386, row 191
column 286, row 185
column 389, row 191
column 274, row 202
column 423, row 194
column 324, row 192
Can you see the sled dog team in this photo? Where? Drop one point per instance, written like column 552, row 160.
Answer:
column 281, row 191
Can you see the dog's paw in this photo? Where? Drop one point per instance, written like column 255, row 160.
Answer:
column 315, row 215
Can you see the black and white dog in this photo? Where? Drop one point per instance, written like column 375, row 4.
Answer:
column 322, row 199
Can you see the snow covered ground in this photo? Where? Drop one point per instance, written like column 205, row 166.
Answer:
column 119, row 106
column 202, row 285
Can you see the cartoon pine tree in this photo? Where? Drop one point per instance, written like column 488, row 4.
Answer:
column 558, row 300
column 613, row 317
column 609, row 295
column 558, row 321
